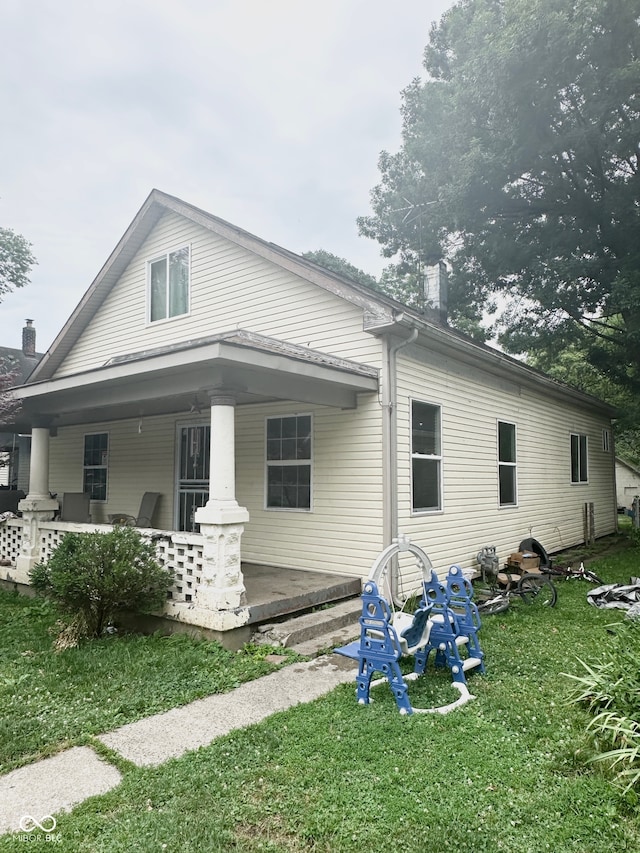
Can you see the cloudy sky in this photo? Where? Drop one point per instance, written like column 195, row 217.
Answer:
column 268, row 113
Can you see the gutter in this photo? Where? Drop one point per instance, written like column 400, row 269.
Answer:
column 390, row 443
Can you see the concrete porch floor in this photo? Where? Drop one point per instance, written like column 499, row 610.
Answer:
column 274, row 592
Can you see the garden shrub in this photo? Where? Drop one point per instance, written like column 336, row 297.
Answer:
column 610, row 690
column 92, row 575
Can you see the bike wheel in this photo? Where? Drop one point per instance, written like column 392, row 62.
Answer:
column 493, row 606
column 537, row 589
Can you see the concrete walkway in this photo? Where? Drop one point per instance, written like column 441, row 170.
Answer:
column 37, row 792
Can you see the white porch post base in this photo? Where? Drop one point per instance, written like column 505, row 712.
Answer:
column 201, row 617
column 34, row 510
column 221, row 526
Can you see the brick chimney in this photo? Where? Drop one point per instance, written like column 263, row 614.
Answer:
column 29, row 339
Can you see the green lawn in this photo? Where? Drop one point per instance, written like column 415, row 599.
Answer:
column 51, row 700
column 507, row 772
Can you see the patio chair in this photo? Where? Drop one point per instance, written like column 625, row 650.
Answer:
column 9, row 500
column 74, row 506
column 144, row 518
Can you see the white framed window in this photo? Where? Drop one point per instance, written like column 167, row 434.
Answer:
column 289, row 448
column 95, row 465
column 507, row 464
column 169, row 284
column 606, row 440
column 579, row 458
column 426, row 457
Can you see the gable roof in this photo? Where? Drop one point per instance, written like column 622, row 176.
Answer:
column 159, row 203
column 382, row 314
column 628, row 465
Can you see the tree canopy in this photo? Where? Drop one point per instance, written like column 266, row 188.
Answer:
column 16, row 260
column 341, row 266
column 519, row 166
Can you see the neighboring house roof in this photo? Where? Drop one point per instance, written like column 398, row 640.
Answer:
column 382, row 314
column 15, row 360
column 628, row 465
column 19, row 363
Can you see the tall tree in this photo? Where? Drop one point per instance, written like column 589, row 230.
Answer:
column 16, row 260
column 519, row 165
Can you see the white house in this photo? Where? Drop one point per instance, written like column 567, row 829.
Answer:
column 293, row 419
column 627, row 483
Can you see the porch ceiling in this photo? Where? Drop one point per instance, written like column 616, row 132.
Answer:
column 173, row 379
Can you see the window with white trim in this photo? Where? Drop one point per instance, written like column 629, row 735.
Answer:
column 288, row 452
column 95, row 465
column 606, row 440
column 426, row 457
column 169, row 285
column 507, row 462
column 579, row 458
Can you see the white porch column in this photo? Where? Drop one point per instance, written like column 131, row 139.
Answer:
column 39, row 471
column 38, row 506
column 222, row 519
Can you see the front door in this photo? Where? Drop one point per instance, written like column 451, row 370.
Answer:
column 192, row 481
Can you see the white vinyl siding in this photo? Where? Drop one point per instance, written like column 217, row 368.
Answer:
column 472, row 400
column 343, row 534
column 141, row 459
column 230, row 288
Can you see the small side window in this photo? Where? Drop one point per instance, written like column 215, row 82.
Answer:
column 507, row 479
column 579, row 458
column 95, row 465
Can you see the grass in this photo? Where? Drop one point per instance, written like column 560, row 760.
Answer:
column 508, row 772
column 52, row 700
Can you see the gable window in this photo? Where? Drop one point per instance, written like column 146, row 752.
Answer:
column 579, row 466
column 96, row 459
column 426, row 457
column 169, row 285
column 507, row 479
column 289, row 462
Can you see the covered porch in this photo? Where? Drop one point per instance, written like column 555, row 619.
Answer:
column 271, row 592
column 214, row 588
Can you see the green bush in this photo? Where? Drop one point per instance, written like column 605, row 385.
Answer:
column 610, row 690
column 92, row 575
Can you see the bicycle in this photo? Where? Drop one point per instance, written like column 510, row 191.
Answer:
column 546, row 564
column 500, row 586
column 573, row 574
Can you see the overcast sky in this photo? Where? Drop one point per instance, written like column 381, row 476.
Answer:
column 268, row 113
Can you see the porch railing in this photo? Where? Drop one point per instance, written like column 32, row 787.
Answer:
column 11, row 539
column 182, row 552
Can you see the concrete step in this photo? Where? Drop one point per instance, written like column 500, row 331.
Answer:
column 325, row 643
column 309, row 626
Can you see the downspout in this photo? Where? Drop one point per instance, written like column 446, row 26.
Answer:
column 390, row 443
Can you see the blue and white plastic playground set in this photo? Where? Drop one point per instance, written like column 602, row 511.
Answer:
column 445, row 622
